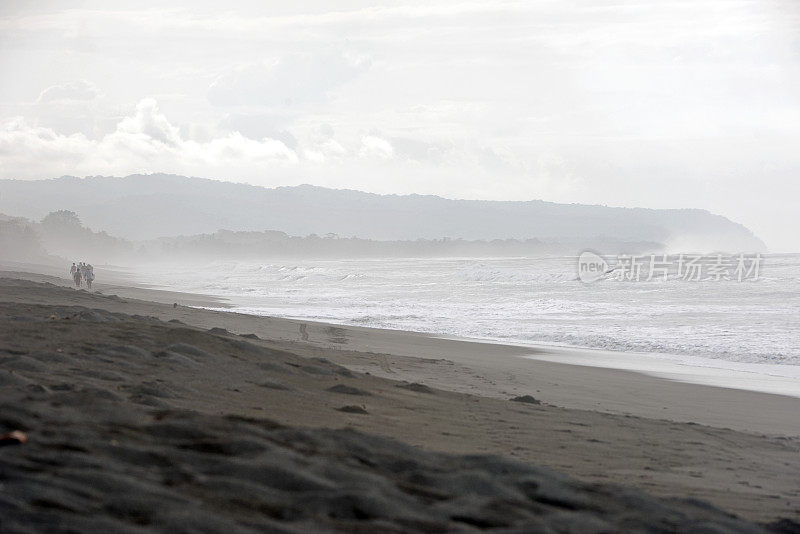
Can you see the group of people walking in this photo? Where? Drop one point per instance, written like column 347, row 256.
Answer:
column 82, row 272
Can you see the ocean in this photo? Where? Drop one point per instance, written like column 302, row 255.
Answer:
column 753, row 324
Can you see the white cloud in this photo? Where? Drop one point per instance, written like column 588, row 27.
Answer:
column 327, row 150
column 150, row 124
column 289, row 80
column 145, row 140
column 77, row 90
column 374, row 146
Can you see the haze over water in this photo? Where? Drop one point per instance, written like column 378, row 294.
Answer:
column 749, row 325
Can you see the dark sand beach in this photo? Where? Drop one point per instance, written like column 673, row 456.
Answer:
column 122, row 412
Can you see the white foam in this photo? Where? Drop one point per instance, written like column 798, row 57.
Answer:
column 767, row 378
column 749, row 326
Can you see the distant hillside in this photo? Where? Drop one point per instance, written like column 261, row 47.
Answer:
column 272, row 244
column 19, row 240
column 59, row 234
column 148, row 206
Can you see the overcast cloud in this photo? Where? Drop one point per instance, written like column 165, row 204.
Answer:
column 629, row 103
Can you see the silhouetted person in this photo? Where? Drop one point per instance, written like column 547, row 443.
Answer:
column 77, row 275
column 89, row 277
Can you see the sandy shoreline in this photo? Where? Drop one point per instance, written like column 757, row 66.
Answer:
column 554, row 375
column 775, row 379
column 731, row 447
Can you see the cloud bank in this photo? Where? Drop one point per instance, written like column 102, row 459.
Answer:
column 285, row 81
column 77, row 90
column 673, row 104
column 145, row 141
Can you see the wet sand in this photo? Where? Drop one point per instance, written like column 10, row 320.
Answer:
column 732, row 448
column 485, row 369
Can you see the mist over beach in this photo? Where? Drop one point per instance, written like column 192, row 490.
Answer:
column 405, row 267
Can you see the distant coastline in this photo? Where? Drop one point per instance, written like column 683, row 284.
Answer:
column 147, row 207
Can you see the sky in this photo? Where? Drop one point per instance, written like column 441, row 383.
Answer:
column 669, row 104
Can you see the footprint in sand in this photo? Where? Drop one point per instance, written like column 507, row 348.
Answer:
column 336, row 335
